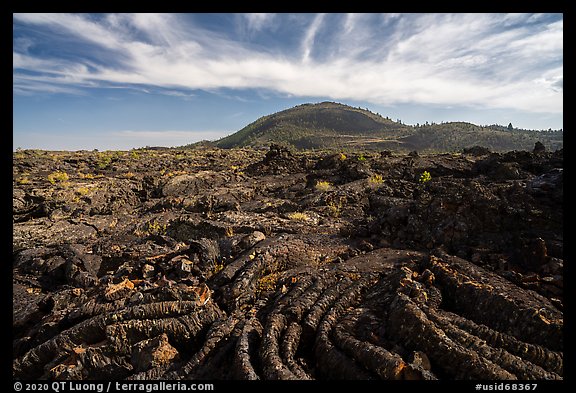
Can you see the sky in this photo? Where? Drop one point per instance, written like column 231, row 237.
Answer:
column 122, row 81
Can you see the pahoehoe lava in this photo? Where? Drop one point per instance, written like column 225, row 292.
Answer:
column 242, row 264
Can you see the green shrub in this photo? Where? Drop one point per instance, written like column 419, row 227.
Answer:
column 297, row 216
column 376, row 179
column 425, row 177
column 103, row 160
column 57, row 177
column 323, row 186
column 335, row 206
column 23, row 180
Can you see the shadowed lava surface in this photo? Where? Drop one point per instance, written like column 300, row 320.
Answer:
column 243, row 264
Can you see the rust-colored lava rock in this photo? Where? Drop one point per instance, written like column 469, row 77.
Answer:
column 255, row 265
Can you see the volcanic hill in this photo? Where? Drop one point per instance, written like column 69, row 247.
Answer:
column 330, row 125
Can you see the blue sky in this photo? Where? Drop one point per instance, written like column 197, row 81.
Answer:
column 119, row 81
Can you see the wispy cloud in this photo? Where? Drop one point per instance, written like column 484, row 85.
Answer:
column 483, row 60
column 258, row 21
column 78, row 25
column 308, row 41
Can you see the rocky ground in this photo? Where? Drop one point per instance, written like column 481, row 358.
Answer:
column 241, row 264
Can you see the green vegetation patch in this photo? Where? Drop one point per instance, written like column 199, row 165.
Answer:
column 425, row 177
column 57, row 177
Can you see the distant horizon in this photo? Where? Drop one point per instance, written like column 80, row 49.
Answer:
column 126, row 81
column 305, row 103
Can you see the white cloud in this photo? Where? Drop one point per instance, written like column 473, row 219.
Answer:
column 482, row 60
column 78, row 25
column 350, row 23
column 308, row 42
column 258, row 21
